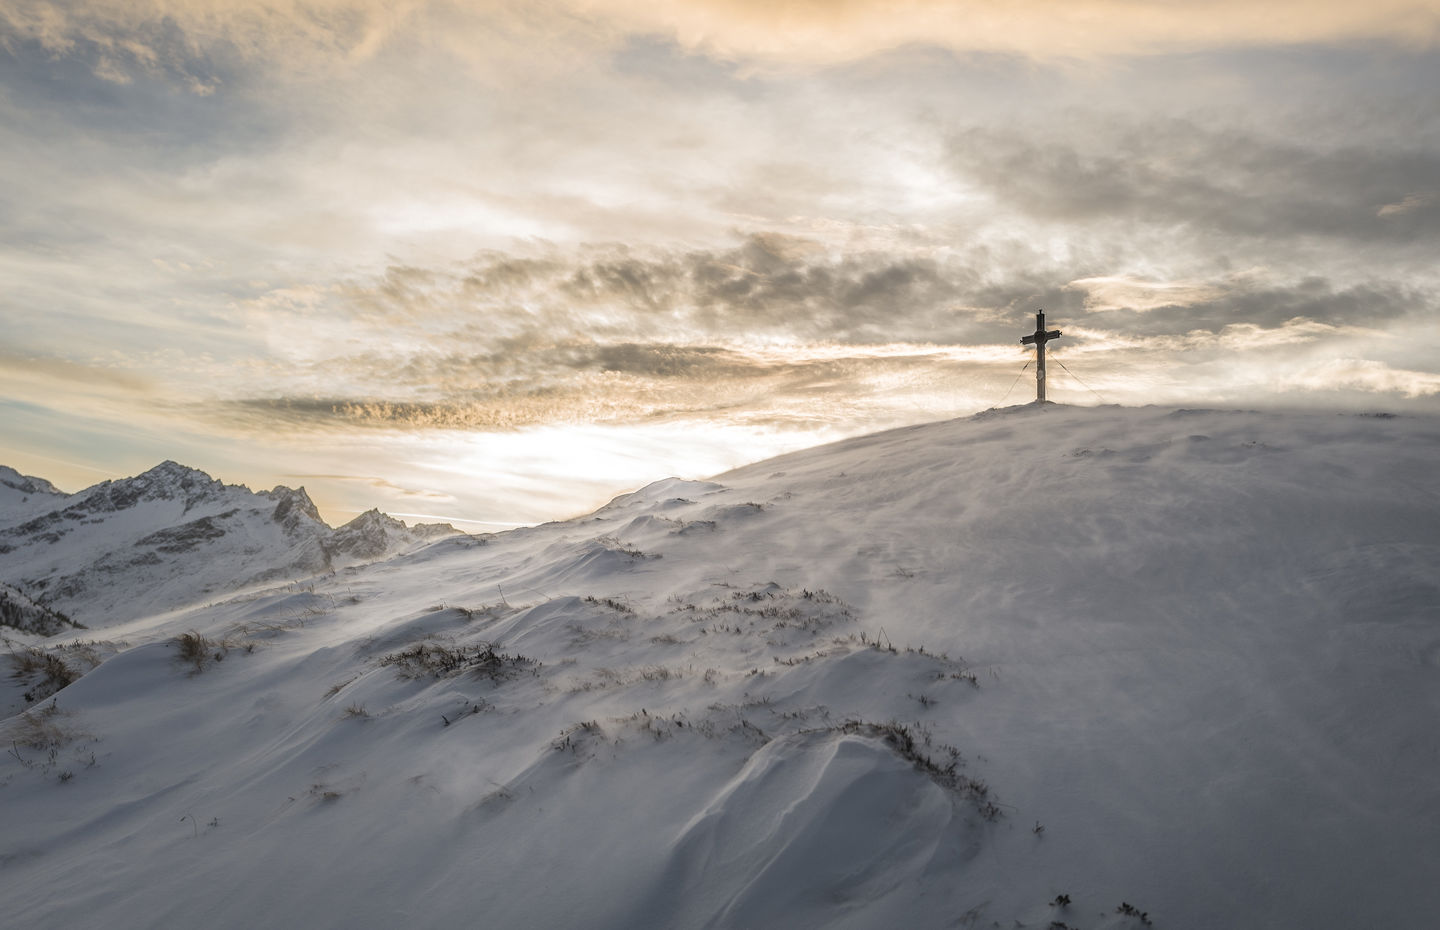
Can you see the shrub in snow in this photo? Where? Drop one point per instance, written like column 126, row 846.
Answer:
column 437, row 660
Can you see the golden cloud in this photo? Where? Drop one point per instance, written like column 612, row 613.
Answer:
column 47, row 373
column 86, row 389
column 1129, row 292
column 302, row 36
column 835, row 30
column 1361, row 374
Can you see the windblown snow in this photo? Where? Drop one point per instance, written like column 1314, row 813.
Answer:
column 1042, row 667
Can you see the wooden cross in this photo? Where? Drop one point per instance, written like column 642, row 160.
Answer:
column 1038, row 339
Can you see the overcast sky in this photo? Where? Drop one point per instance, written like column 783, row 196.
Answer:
column 497, row 261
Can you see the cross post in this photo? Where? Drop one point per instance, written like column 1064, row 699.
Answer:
column 1038, row 340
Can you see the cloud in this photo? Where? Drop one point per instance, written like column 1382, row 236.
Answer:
column 122, row 38
column 770, row 330
column 389, row 488
column 1360, row 374
column 193, row 41
column 1131, row 292
column 87, row 389
column 1261, row 301
column 621, row 384
column 1410, row 204
column 1169, row 174
column 831, row 30
column 387, row 230
column 55, row 372
column 765, row 289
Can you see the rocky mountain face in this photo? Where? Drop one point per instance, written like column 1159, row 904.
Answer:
column 25, row 495
column 22, row 613
column 166, row 538
column 373, row 534
column 25, row 484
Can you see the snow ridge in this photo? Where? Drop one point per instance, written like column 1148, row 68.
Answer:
column 1101, row 668
column 25, row 484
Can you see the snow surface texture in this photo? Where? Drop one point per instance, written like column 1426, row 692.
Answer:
column 1043, row 666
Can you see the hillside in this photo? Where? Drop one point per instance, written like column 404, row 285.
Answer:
column 1038, row 667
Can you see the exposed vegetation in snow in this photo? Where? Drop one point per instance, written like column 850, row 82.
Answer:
column 1044, row 667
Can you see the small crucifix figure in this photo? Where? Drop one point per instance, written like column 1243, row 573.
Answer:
column 1038, row 339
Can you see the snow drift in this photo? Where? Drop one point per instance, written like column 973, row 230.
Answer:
column 1043, row 666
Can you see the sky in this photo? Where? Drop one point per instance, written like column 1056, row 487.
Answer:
column 495, row 262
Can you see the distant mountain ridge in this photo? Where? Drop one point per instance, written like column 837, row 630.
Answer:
column 25, row 484
column 165, row 538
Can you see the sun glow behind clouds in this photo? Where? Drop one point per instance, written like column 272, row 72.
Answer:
column 1129, row 292
column 473, row 217
column 518, row 257
column 552, row 472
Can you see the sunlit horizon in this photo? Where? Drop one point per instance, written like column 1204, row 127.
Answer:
column 504, row 261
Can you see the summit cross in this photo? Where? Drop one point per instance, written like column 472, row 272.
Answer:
column 1038, row 340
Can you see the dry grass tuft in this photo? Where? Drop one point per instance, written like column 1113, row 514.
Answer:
column 196, row 651
column 438, row 660
column 44, row 672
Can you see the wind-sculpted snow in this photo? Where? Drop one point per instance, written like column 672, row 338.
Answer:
column 861, row 824
column 1090, row 668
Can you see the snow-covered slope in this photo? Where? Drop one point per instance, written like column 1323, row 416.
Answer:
column 1040, row 667
column 170, row 537
column 23, row 495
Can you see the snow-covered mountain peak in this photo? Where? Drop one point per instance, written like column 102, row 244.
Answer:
column 26, row 484
column 292, row 506
column 168, row 481
column 24, row 496
column 174, row 535
column 172, row 472
column 374, row 517
column 372, row 534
